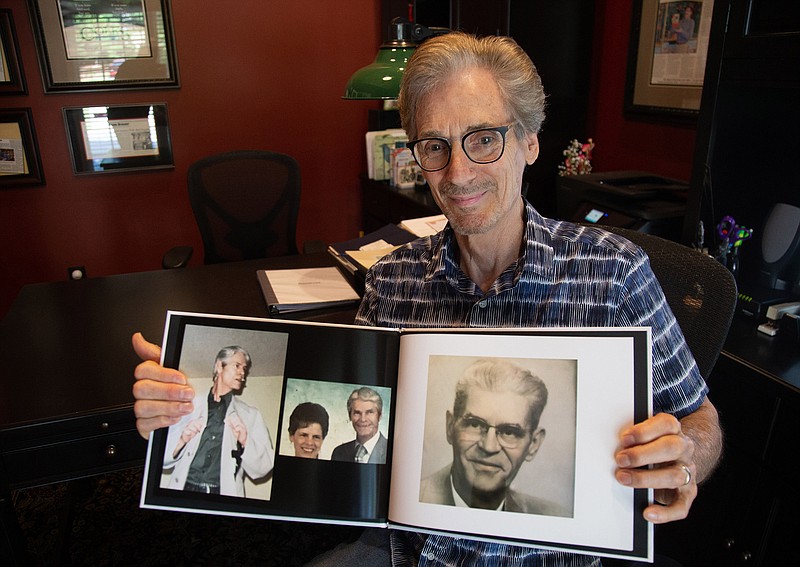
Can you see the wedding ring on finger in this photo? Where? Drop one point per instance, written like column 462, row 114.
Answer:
column 688, row 475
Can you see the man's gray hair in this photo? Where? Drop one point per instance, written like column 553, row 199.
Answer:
column 502, row 376
column 225, row 354
column 366, row 394
column 443, row 56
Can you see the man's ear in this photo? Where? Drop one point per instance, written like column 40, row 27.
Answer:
column 536, row 442
column 450, row 421
column 531, row 144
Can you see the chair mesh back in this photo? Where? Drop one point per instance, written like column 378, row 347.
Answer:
column 700, row 291
column 245, row 204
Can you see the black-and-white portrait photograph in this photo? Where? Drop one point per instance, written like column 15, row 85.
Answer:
column 226, row 445
column 500, row 434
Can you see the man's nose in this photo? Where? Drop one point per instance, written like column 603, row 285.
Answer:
column 461, row 169
column 489, row 442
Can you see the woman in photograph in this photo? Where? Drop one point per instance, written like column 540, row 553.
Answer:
column 308, row 427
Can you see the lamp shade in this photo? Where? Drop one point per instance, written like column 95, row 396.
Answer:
column 381, row 79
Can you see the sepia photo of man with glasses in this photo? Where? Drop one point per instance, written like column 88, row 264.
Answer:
column 493, row 429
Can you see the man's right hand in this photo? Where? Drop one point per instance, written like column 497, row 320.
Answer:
column 163, row 395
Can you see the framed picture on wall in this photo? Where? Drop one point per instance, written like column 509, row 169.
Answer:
column 19, row 154
column 115, row 138
column 12, row 79
column 667, row 56
column 95, row 45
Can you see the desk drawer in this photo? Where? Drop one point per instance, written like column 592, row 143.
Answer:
column 71, row 447
column 74, row 459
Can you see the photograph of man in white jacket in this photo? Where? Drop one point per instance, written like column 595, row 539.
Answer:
column 224, row 438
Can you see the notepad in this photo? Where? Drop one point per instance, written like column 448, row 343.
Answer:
column 302, row 289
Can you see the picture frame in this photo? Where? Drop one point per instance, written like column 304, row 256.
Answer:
column 20, row 164
column 12, row 77
column 104, row 45
column 118, row 138
column 667, row 57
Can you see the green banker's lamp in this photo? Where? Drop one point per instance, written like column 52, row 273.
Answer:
column 381, row 79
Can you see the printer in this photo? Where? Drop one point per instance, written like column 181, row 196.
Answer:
column 628, row 199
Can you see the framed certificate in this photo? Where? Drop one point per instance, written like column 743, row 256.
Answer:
column 667, row 56
column 12, row 79
column 93, row 45
column 19, row 153
column 106, row 139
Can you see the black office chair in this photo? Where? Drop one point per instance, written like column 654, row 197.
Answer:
column 245, row 204
column 700, row 291
column 702, row 294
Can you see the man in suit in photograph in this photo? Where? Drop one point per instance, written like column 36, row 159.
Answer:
column 365, row 407
column 508, row 399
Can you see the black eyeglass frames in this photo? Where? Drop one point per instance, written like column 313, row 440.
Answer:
column 485, row 145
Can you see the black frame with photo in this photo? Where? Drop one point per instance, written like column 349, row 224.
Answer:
column 679, row 102
column 157, row 155
column 22, row 120
column 103, row 61
column 15, row 83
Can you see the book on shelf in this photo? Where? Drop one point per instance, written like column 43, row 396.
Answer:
column 597, row 381
column 379, row 147
column 403, row 168
column 301, row 289
column 357, row 255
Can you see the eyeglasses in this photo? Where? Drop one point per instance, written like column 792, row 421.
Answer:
column 483, row 146
column 475, row 429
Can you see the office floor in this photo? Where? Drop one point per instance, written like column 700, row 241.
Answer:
column 108, row 528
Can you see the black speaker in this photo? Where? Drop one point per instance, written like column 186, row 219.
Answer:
column 780, row 249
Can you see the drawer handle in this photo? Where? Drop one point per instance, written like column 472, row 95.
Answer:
column 111, row 451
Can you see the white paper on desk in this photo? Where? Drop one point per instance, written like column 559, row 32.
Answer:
column 310, row 285
column 367, row 256
column 425, row 226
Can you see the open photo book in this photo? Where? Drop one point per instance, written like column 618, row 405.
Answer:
column 502, row 435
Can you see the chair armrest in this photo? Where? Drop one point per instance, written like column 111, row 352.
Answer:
column 176, row 257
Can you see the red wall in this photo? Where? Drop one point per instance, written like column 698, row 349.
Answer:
column 251, row 77
column 623, row 143
column 263, row 74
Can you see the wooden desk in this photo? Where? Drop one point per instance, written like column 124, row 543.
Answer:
column 65, row 388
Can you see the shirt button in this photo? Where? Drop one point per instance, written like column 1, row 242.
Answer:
column 482, row 304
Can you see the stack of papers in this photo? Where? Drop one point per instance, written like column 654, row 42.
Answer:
column 305, row 288
column 425, row 226
column 359, row 254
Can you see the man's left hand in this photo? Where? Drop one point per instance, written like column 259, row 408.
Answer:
column 657, row 454
column 238, row 427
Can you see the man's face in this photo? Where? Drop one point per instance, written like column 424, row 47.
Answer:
column 482, row 465
column 476, row 198
column 231, row 375
column 365, row 417
column 307, row 441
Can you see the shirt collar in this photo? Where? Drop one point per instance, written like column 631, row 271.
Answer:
column 459, row 502
column 537, row 256
column 370, row 444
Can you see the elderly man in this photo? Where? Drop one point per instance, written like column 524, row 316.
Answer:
column 211, row 449
column 364, row 408
column 494, row 430
column 472, row 108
